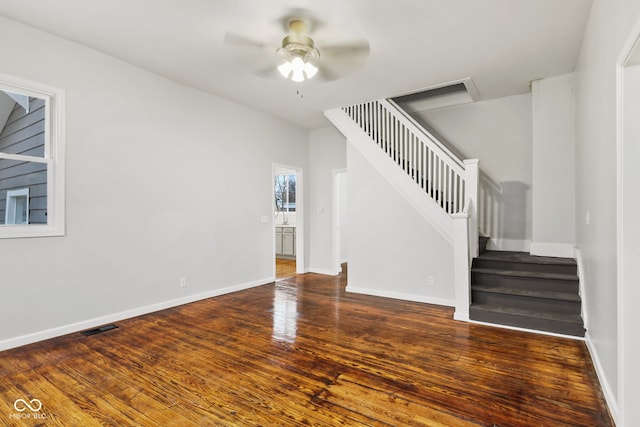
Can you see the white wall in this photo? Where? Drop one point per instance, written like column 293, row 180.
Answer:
column 630, row 156
column 342, row 187
column 163, row 182
column 609, row 26
column 392, row 248
column 553, row 182
column 327, row 152
column 498, row 133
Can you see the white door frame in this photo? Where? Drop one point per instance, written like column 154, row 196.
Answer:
column 336, row 229
column 300, row 228
column 626, row 412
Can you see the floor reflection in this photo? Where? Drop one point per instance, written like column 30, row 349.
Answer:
column 285, row 312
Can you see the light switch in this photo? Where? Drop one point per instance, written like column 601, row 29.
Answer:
column 264, row 219
column 320, row 210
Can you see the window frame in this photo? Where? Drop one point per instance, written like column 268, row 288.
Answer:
column 287, row 182
column 54, row 158
column 11, row 205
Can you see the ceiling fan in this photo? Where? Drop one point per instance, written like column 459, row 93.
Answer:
column 298, row 56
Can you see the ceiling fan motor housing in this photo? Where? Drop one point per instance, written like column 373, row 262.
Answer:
column 301, row 45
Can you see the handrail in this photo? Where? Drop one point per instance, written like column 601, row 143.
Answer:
column 450, row 182
column 417, row 128
column 425, row 160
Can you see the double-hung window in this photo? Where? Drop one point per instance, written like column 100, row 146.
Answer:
column 31, row 159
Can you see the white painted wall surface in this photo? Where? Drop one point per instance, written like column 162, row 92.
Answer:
column 498, row 133
column 327, row 152
column 163, row 182
column 630, row 292
column 553, row 176
column 393, row 250
column 609, row 26
column 342, row 186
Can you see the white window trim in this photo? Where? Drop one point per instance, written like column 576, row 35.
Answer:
column 54, row 158
column 10, row 205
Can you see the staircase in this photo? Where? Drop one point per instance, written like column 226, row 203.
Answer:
column 508, row 288
column 526, row 291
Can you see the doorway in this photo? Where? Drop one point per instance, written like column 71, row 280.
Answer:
column 288, row 221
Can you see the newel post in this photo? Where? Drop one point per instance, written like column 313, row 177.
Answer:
column 461, row 265
column 471, row 182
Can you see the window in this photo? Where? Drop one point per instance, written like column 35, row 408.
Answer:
column 31, row 159
column 17, row 207
column 285, row 190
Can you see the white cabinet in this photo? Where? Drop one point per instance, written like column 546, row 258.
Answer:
column 278, row 240
column 285, row 241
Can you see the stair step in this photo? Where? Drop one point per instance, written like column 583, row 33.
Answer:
column 482, row 244
column 551, row 295
column 522, row 261
column 525, row 280
column 527, row 274
column 560, row 323
column 527, row 257
column 528, row 300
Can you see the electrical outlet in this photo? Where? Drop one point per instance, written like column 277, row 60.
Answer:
column 430, row 281
column 183, row 282
column 587, row 218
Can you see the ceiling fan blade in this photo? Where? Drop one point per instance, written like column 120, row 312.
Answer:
column 325, row 73
column 355, row 50
column 253, row 55
column 238, row 40
column 267, row 72
column 336, row 61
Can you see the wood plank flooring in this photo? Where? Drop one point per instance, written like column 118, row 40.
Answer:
column 285, row 268
column 302, row 352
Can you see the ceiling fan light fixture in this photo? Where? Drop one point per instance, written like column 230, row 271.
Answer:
column 297, row 69
column 310, row 70
column 298, row 51
column 285, row 69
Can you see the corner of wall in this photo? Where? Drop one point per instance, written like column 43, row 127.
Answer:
column 564, row 250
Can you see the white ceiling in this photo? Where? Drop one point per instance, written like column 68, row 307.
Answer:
column 501, row 44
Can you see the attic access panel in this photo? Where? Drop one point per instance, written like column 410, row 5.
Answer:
column 457, row 93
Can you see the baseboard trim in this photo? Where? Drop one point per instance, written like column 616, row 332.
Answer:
column 127, row 314
column 402, row 296
column 565, row 250
column 609, row 396
column 497, row 244
column 325, row 271
column 581, row 289
column 533, row 331
column 461, row 317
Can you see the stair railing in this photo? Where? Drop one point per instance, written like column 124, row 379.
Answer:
column 437, row 171
column 450, row 182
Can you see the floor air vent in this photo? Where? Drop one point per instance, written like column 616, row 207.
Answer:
column 99, row 330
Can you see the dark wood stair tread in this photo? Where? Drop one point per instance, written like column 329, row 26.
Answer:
column 524, row 257
column 527, row 274
column 552, row 295
column 527, row 291
column 561, row 317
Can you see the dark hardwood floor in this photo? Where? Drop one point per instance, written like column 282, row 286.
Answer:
column 302, row 352
column 285, row 268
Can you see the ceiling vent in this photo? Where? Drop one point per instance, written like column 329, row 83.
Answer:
column 440, row 96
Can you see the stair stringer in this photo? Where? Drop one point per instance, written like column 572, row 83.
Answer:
column 399, row 180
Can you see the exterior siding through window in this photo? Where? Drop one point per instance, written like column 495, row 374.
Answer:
column 24, row 133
